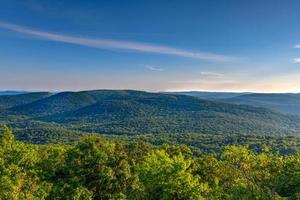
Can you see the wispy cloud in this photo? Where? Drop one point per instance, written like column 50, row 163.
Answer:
column 154, row 68
column 296, row 60
column 211, row 74
column 117, row 45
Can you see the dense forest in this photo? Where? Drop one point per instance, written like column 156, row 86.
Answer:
column 61, row 117
column 96, row 167
column 216, row 143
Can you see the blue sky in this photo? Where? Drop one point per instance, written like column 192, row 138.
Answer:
column 232, row 45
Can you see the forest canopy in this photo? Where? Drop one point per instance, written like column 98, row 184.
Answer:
column 96, row 167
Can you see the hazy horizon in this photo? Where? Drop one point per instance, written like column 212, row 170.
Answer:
column 159, row 91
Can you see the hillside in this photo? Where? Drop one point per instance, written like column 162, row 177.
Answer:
column 280, row 102
column 8, row 101
column 137, row 112
column 58, row 103
column 287, row 103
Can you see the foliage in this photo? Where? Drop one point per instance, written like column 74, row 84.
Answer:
column 215, row 143
column 101, row 168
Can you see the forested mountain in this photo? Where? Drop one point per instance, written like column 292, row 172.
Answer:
column 8, row 101
column 58, row 103
column 37, row 115
column 287, row 103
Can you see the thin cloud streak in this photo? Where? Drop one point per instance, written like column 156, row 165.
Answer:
column 211, row 74
column 115, row 44
column 154, row 68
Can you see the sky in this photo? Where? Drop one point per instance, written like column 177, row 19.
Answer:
column 152, row 45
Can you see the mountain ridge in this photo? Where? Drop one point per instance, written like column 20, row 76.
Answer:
column 139, row 112
column 280, row 102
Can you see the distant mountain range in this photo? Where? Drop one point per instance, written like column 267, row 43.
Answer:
column 284, row 102
column 12, row 92
column 210, row 95
column 43, row 115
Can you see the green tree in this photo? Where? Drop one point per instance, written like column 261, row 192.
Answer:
column 165, row 177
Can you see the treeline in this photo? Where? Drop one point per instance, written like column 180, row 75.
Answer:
column 99, row 168
column 215, row 143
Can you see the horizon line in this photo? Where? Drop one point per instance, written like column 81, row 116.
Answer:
column 151, row 91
